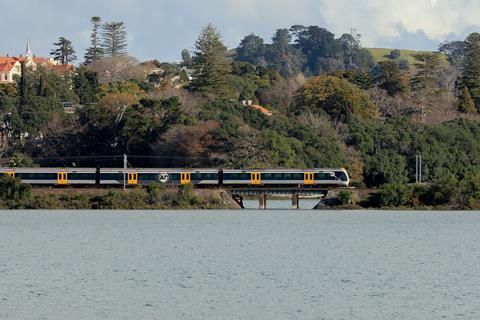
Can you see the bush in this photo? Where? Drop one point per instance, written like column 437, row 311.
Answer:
column 394, row 54
column 393, row 195
column 345, row 198
column 12, row 190
column 338, row 97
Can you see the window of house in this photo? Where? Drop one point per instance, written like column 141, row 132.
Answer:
column 5, row 76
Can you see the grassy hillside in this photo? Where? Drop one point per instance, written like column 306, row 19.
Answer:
column 379, row 54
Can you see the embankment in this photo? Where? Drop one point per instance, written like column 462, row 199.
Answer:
column 115, row 199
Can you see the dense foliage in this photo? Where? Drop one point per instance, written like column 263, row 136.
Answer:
column 331, row 105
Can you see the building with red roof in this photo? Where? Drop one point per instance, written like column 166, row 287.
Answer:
column 11, row 67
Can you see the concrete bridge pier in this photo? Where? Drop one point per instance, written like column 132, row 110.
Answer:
column 262, row 201
column 295, row 201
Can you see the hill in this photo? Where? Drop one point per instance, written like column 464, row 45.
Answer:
column 381, row 54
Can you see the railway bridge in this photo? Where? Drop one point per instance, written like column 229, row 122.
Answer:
column 296, row 194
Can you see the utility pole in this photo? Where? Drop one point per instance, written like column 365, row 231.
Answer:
column 418, row 169
column 125, row 163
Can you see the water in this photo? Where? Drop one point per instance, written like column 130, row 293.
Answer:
column 239, row 265
column 305, row 204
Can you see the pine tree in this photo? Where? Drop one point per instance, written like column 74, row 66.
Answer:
column 363, row 79
column 95, row 52
column 210, row 64
column 389, row 77
column 465, row 102
column 428, row 66
column 114, row 39
column 64, row 52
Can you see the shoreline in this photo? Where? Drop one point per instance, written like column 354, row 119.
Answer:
column 188, row 198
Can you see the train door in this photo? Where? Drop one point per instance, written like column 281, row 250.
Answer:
column 132, row 178
column 185, row 178
column 62, row 178
column 309, row 178
column 256, row 178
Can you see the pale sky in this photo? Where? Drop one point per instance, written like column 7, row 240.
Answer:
column 160, row 29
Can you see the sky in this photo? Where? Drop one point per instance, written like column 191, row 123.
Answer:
column 160, row 29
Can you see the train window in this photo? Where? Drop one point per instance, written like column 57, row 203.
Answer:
column 324, row 176
column 342, row 176
column 207, row 176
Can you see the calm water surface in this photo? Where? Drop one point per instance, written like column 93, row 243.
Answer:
column 239, row 265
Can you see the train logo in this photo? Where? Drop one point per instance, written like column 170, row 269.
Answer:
column 163, row 177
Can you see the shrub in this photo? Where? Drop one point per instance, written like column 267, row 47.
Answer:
column 12, row 190
column 393, row 195
column 338, row 97
column 344, row 198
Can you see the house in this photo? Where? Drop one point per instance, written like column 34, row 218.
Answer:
column 257, row 107
column 11, row 67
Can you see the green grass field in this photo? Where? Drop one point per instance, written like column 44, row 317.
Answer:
column 379, row 54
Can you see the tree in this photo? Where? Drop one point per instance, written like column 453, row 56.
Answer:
column 118, row 68
column 426, row 79
column 282, row 56
column 389, row 77
column 394, row 54
column 12, row 190
column 337, row 97
column 114, row 39
column 25, row 85
column 95, row 51
column 188, row 145
column 465, row 102
column 186, row 58
column 428, row 66
column 210, row 64
column 455, row 52
column 64, row 53
column 471, row 67
column 251, row 49
column 395, row 195
column 86, row 85
column 351, row 44
column 323, row 53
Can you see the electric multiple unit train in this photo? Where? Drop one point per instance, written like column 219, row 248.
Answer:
column 324, row 178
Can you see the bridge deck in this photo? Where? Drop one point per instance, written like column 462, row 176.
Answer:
column 279, row 191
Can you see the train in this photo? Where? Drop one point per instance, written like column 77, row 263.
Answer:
column 323, row 178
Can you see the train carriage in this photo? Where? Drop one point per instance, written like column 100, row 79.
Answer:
column 53, row 176
column 287, row 177
column 326, row 178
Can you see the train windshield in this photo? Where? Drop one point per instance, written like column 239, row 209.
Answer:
column 341, row 175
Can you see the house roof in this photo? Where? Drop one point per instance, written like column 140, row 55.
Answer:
column 7, row 60
column 6, row 67
column 263, row 110
column 8, row 63
column 60, row 68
